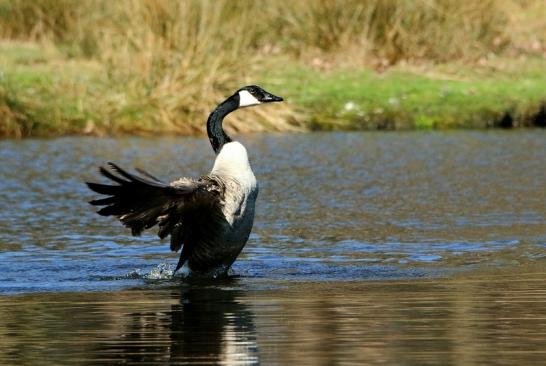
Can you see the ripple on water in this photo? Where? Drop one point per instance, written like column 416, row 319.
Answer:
column 339, row 206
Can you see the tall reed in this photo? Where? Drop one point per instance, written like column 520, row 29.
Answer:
column 171, row 60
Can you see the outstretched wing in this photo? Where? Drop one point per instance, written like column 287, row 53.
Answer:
column 141, row 202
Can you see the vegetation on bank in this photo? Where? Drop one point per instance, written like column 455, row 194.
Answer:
column 502, row 93
column 103, row 67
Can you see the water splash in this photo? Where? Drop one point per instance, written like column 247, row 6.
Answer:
column 162, row 271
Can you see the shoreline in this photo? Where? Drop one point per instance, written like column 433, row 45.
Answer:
column 45, row 94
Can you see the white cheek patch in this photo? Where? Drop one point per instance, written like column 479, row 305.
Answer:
column 246, row 99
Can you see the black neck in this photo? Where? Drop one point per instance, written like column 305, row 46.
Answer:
column 217, row 135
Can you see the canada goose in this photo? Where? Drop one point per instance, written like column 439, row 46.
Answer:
column 210, row 218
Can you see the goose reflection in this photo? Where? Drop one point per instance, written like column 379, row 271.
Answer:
column 205, row 325
column 211, row 324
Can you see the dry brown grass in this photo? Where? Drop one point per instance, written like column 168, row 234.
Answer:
column 169, row 61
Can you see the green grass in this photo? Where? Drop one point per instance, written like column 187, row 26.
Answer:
column 45, row 93
column 448, row 96
column 149, row 67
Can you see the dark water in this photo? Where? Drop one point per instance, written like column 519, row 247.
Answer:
column 395, row 248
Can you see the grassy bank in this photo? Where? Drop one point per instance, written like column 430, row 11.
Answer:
column 44, row 94
column 148, row 67
column 500, row 93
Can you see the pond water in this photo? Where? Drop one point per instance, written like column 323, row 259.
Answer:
column 368, row 248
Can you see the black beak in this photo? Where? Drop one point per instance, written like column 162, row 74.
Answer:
column 268, row 98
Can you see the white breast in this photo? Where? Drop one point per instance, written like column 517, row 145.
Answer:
column 232, row 162
column 233, row 168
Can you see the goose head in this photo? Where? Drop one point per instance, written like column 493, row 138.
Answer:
column 253, row 95
column 245, row 97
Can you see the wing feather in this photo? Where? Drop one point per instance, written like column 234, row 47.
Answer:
column 141, row 202
column 146, row 174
